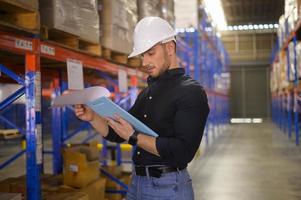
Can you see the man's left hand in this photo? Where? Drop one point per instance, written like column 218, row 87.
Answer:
column 121, row 127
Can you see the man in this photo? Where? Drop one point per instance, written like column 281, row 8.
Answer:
column 173, row 105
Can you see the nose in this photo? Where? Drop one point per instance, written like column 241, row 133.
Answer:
column 144, row 61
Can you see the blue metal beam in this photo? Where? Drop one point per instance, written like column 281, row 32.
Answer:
column 11, row 74
column 113, row 178
column 83, row 126
column 10, row 160
column 33, row 140
column 12, row 124
column 89, row 138
column 13, row 97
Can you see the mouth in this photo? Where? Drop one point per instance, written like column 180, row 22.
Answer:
column 149, row 68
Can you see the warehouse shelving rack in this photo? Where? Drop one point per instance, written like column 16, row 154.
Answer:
column 33, row 49
column 201, row 53
column 205, row 59
column 286, row 103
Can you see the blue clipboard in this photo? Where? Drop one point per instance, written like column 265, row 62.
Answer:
column 107, row 108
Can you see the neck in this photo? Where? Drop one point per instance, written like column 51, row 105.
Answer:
column 174, row 63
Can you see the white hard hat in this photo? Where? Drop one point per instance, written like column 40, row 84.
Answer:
column 150, row 31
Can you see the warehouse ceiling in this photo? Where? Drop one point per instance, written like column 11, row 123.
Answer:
column 239, row 12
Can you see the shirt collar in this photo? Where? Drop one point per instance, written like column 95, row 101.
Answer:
column 169, row 74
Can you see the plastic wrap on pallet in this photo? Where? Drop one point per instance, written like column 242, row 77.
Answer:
column 167, row 11
column 118, row 19
column 72, row 16
column 290, row 24
column 298, row 57
column 291, row 62
column 281, row 31
column 88, row 19
column 273, row 80
column 148, row 8
column 283, row 79
column 32, row 5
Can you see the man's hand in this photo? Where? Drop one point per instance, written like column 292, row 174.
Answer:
column 121, row 127
column 84, row 113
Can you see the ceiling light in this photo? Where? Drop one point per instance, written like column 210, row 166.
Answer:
column 251, row 27
column 240, row 27
column 216, row 11
column 230, row 28
column 266, row 26
column 256, row 27
column 276, row 25
column 260, row 26
column 271, row 26
column 235, row 28
column 245, row 27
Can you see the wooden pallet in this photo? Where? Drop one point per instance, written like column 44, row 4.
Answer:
column 114, row 56
column 135, row 62
column 70, row 41
column 6, row 134
column 121, row 58
column 16, row 15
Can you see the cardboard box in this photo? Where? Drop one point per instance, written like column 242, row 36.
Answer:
column 118, row 19
column 10, row 196
column 72, row 16
column 78, row 171
column 95, row 190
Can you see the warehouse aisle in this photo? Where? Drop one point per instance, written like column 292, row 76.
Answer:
column 249, row 162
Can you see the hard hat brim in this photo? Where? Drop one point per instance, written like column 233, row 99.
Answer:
column 136, row 53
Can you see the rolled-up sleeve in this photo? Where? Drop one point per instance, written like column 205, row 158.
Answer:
column 189, row 123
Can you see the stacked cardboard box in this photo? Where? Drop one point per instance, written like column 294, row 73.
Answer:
column 81, row 165
column 159, row 8
column 167, row 11
column 79, row 18
column 118, row 19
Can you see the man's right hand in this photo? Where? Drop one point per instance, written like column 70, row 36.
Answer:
column 84, row 113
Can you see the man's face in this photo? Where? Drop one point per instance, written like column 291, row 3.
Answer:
column 155, row 60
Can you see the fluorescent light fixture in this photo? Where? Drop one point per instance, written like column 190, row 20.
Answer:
column 240, row 27
column 250, row 27
column 260, row 26
column 235, row 28
column 216, row 12
column 276, row 25
column 225, row 75
column 266, row 26
column 257, row 120
column 245, row 27
column 230, row 28
column 256, row 27
column 246, row 120
column 271, row 26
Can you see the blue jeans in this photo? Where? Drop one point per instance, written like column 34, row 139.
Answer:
column 170, row 186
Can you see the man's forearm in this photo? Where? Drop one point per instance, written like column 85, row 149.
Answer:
column 147, row 143
column 100, row 125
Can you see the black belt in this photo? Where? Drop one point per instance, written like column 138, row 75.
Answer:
column 155, row 171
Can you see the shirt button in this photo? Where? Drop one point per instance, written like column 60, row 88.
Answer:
column 150, row 97
column 145, row 116
column 138, row 152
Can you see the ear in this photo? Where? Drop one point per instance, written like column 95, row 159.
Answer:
column 170, row 48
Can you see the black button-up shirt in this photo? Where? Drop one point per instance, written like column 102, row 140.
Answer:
column 174, row 106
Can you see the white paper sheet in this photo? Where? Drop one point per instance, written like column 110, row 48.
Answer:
column 81, row 96
column 75, row 74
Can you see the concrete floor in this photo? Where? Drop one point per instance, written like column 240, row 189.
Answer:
column 245, row 162
column 249, row 162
